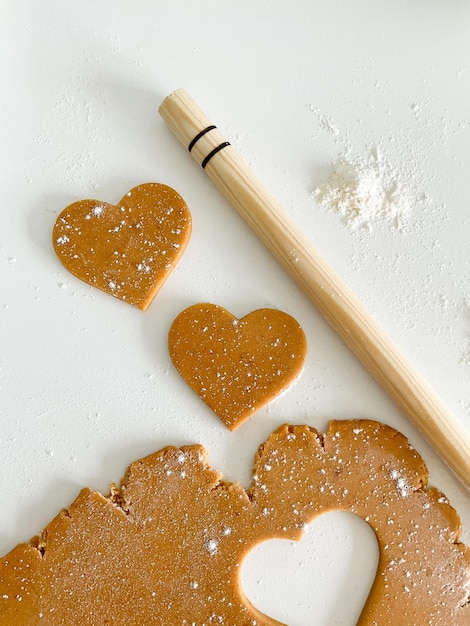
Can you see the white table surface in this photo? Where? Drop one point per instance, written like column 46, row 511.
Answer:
column 87, row 385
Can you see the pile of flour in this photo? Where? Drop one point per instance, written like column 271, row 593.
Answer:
column 364, row 189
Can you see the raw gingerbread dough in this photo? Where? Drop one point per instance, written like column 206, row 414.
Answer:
column 128, row 249
column 236, row 365
column 166, row 547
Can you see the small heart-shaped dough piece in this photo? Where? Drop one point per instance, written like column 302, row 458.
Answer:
column 236, row 365
column 129, row 249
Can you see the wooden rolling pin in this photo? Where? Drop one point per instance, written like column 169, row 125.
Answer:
column 318, row 280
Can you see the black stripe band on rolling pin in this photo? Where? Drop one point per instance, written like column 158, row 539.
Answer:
column 199, row 135
column 213, row 152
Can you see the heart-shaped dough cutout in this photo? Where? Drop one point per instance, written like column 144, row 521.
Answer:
column 129, row 249
column 236, row 365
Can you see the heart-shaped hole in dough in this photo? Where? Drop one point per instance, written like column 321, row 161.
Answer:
column 345, row 551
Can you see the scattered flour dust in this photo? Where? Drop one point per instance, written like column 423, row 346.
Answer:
column 366, row 189
column 465, row 358
column 466, row 352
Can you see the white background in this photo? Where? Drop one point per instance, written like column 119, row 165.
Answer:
column 87, row 385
